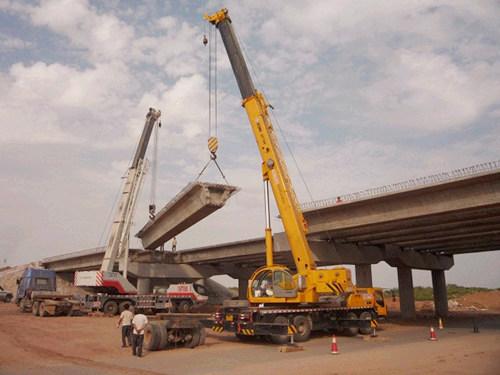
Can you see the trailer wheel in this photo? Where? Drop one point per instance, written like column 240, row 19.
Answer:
column 163, row 336
column 203, row 335
column 365, row 315
column 350, row 331
column 280, row 339
column 152, row 337
column 35, row 310
column 8, row 299
column 184, row 306
column 195, row 338
column 303, row 325
column 42, row 309
column 110, row 307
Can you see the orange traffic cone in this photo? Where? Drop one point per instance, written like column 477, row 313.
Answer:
column 433, row 336
column 334, row 348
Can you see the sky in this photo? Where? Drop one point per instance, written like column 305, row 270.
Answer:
column 365, row 94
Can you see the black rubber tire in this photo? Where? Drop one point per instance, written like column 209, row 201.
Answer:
column 280, row 339
column 121, row 306
column 368, row 316
column 350, row 331
column 8, row 299
column 195, row 340
column 22, row 305
column 152, row 337
column 35, row 309
column 184, row 306
column 303, row 325
column 163, row 337
column 110, row 307
column 42, row 310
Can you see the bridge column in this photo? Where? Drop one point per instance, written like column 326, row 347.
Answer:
column 364, row 275
column 143, row 285
column 440, row 293
column 242, row 288
column 406, row 296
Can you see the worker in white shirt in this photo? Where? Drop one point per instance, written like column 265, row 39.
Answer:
column 126, row 322
column 138, row 324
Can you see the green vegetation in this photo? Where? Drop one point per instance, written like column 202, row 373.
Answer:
column 425, row 293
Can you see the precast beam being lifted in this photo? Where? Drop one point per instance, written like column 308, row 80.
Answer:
column 195, row 202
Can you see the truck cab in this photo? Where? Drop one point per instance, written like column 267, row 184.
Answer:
column 34, row 280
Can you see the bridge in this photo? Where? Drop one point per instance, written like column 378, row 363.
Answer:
column 418, row 224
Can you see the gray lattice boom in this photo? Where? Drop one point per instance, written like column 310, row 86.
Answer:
column 195, row 202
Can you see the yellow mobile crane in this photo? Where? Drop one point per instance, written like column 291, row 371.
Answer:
column 278, row 300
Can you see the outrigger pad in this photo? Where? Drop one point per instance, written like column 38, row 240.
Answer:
column 195, row 202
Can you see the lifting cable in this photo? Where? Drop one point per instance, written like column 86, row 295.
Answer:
column 213, row 142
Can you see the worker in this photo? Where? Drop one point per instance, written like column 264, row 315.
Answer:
column 174, row 244
column 138, row 324
column 126, row 323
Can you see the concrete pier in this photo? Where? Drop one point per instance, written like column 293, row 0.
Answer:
column 406, row 296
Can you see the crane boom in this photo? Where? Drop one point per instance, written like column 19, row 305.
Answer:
column 274, row 169
column 118, row 238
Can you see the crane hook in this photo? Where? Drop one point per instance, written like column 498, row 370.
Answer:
column 205, row 40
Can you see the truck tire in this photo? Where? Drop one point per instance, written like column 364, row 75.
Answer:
column 8, row 299
column 365, row 315
column 280, row 339
column 23, row 305
column 35, row 309
column 303, row 325
column 350, row 331
column 110, row 307
column 42, row 309
column 152, row 337
column 184, row 306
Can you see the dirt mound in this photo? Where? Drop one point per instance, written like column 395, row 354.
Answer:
column 480, row 301
column 9, row 276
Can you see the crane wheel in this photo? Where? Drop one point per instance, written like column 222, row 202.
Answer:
column 110, row 307
column 350, row 331
column 184, row 307
column 303, row 325
column 365, row 315
column 280, row 339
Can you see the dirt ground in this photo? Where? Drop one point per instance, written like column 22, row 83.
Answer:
column 91, row 345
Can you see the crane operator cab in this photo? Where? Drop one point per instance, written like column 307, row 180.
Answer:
column 270, row 284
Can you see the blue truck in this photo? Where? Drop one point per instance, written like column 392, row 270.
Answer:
column 36, row 293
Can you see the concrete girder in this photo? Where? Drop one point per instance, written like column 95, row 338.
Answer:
column 468, row 249
column 425, row 202
column 397, row 257
column 195, row 202
column 457, row 243
column 171, row 271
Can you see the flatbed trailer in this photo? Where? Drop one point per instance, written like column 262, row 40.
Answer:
column 279, row 322
column 170, row 331
column 113, row 304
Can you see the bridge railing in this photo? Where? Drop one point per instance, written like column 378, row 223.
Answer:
column 406, row 185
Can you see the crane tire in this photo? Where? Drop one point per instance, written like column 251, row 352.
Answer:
column 365, row 315
column 110, row 307
column 184, row 306
column 280, row 339
column 303, row 325
column 350, row 331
